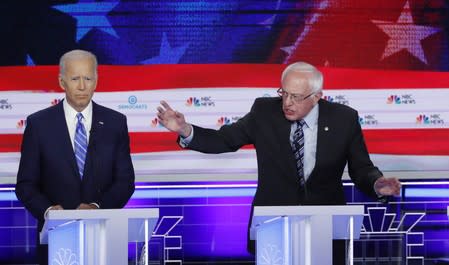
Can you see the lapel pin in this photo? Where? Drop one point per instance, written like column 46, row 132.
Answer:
column 100, row 122
column 326, row 129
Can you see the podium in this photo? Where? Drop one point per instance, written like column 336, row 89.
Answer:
column 303, row 235
column 96, row 236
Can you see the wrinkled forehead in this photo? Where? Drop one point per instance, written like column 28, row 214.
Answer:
column 79, row 66
column 78, row 61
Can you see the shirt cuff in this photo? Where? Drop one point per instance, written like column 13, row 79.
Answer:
column 46, row 212
column 185, row 141
column 96, row 204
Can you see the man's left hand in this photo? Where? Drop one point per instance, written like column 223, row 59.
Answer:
column 387, row 186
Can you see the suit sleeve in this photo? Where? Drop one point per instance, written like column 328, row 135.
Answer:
column 28, row 177
column 228, row 138
column 360, row 167
column 123, row 184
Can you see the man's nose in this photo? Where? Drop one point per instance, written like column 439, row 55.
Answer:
column 288, row 100
column 82, row 85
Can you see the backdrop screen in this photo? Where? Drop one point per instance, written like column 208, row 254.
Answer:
column 211, row 59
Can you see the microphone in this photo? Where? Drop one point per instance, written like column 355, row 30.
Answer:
column 92, row 131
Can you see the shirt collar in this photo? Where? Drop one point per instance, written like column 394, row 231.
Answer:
column 311, row 118
column 70, row 112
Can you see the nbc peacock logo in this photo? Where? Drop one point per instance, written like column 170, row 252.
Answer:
column 193, row 101
column 328, row 98
column 223, row 121
column 394, row 99
column 64, row 257
column 271, row 254
column 55, row 101
column 422, row 119
column 21, row 124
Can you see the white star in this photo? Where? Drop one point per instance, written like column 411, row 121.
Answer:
column 404, row 34
column 167, row 54
column 268, row 22
column 288, row 49
column 90, row 15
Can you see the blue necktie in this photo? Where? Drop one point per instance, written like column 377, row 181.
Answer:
column 80, row 144
column 298, row 150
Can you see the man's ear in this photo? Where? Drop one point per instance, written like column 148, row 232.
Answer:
column 62, row 83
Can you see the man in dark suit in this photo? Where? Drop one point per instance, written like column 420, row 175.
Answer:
column 75, row 155
column 331, row 138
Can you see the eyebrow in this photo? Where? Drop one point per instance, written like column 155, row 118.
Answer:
column 296, row 94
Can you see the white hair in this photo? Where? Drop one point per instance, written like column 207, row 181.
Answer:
column 315, row 81
column 76, row 54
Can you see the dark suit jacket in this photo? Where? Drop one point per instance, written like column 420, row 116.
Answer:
column 340, row 142
column 48, row 173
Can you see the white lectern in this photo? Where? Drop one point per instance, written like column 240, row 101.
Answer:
column 303, row 234
column 96, row 236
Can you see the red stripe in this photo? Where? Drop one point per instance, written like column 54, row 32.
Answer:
column 400, row 142
column 408, row 141
column 123, row 78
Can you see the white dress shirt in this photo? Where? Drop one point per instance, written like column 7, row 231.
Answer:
column 71, row 120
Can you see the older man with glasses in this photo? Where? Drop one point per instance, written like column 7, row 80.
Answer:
column 303, row 144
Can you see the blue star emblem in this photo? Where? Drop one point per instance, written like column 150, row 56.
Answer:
column 167, row 54
column 89, row 15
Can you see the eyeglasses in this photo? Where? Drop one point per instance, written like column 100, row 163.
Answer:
column 294, row 97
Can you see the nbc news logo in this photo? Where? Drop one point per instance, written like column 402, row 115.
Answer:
column 368, row 119
column 337, row 99
column 432, row 119
column 402, row 99
column 200, row 102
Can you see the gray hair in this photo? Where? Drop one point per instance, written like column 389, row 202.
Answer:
column 316, row 80
column 76, row 54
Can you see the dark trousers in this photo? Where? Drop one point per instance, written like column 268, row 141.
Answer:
column 42, row 252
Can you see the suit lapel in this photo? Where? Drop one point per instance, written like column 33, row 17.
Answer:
column 65, row 142
column 285, row 153
column 94, row 137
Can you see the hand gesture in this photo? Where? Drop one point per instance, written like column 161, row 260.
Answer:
column 173, row 120
column 387, row 186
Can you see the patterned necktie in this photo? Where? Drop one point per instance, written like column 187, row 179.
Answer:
column 298, row 150
column 80, row 144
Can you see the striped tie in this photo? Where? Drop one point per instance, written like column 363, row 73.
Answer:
column 80, row 144
column 298, row 150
